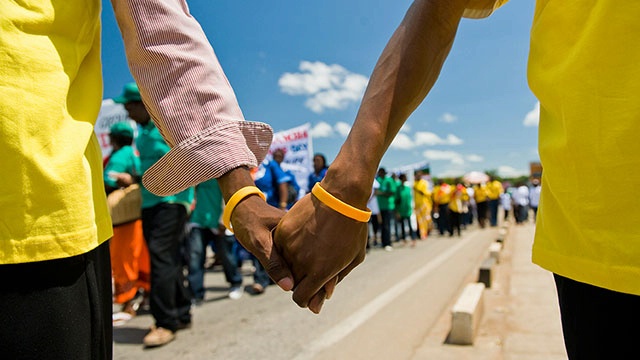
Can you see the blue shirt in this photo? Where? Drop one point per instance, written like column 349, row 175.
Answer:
column 316, row 178
column 268, row 177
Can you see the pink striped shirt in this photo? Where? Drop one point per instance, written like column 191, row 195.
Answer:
column 187, row 95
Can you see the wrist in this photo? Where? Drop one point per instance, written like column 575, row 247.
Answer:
column 235, row 180
column 348, row 185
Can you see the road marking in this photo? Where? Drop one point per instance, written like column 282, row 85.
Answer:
column 349, row 324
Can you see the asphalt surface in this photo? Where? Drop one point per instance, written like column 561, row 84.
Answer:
column 396, row 305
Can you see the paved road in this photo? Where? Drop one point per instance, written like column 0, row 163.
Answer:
column 394, row 306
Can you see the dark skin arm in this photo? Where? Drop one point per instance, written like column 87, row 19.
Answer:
column 321, row 245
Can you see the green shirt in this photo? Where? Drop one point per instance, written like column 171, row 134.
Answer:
column 386, row 200
column 209, row 205
column 123, row 160
column 152, row 147
column 404, row 195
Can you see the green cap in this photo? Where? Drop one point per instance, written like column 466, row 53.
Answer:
column 130, row 93
column 122, row 129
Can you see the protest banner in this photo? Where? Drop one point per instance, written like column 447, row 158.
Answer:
column 298, row 153
column 110, row 113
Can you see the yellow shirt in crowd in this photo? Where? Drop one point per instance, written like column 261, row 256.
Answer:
column 442, row 194
column 480, row 193
column 422, row 195
column 52, row 201
column 494, row 190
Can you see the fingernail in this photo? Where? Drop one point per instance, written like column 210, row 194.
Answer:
column 286, row 284
column 315, row 308
column 329, row 294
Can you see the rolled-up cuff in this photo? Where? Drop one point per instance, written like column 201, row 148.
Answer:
column 209, row 154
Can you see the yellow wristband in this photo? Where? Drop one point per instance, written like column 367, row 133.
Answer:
column 340, row 206
column 235, row 199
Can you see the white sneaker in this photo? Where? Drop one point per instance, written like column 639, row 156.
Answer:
column 235, row 293
column 388, row 248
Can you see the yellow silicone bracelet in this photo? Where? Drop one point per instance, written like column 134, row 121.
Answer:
column 235, row 199
column 340, row 206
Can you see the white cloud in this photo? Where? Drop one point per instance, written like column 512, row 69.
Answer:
column 533, row 117
column 322, row 130
column 474, row 158
column 454, row 157
column 325, row 86
column 508, row 171
column 448, row 118
column 405, row 128
column 402, row 141
column 453, row 140
column 342, row 128
column 431, row 139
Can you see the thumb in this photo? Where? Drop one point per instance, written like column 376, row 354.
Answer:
column 279, row 271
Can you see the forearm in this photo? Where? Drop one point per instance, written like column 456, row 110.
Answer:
column 404, row 74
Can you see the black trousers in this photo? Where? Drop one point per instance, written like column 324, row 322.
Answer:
column 598, row 323
column 385, row 227
column 163, row 228
column 57, row 309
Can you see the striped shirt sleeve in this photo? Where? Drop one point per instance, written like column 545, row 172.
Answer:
column 187, row 95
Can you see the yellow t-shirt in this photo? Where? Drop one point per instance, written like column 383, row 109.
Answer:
column 52, row 202
column 494, row 189
column 480, row 193
column 583, row 67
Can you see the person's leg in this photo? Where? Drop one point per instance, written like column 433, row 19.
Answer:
column 164, row 232
column 595, row 321
column 57, row 309
column 124, row 265
column 482, row 213
column 225, row 246
column 260, row 277
column 375, row 224
column 454, row 218
column 493, row 212
column 451, row 220
column 402, row 231
column 197, row 253
column 410, row 232
column 386, row 227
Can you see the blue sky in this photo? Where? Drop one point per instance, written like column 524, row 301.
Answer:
column 295, row 62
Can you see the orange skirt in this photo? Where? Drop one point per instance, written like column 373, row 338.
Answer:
column 129, row 261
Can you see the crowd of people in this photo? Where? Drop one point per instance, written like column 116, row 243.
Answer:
column 177, row 231
column 441, row 207
column 149, row 252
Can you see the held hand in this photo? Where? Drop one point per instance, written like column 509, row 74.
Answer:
column 321, row 246
column 253, row 221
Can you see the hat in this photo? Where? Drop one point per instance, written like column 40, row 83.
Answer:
column 121, row 129
column 130, row 93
